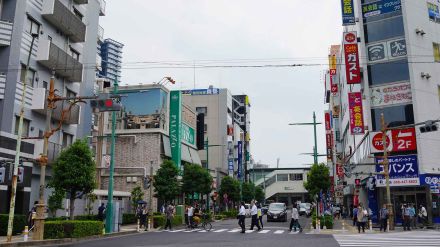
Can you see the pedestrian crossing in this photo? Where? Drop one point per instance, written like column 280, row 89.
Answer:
column 413, row 239
column 234, row 230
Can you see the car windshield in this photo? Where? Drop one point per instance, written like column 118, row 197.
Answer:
column 276, row 206
column 304, row 205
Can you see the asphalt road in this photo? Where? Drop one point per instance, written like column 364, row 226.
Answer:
column 224, row 233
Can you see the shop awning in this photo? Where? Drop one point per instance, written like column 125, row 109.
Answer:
column 188, row 153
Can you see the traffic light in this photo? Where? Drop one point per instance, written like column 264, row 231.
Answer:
column 146, row 182
column 105, row 103
column 200, row 131
column 429, row 127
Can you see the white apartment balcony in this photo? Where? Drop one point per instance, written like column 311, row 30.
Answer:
column 53, row 150
column 5, row 33
column 65, row 20
column 39, row 104
column 102, row 10
column 2, row 85
column 53, row 57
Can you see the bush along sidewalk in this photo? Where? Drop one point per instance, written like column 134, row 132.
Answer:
column 72, row 229
column 160, row 220
column 326, row 220
column 18, row 226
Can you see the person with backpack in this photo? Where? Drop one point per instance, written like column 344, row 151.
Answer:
column 383, row 216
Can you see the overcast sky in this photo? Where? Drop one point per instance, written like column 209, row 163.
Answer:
column 237, row 32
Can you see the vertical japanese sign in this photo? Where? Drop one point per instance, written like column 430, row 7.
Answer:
column 404, row 170
column 239, row 159
column 352, row 68
column 328, row 125
column 348, row 17
column 333, row 85
column 329, row 142
column 175, row 127
column 356, row 113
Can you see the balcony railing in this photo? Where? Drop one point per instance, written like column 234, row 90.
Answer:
column 65, row 20
column 2, row 85
column 55, row 58
column 39, row 104
column 5, row 33
column 53, row 150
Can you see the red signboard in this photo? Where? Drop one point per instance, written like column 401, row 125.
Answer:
column 329, row 142
column 339, row 170
column 356, row 113
column 352, row 68
column 333, row 86
column 327, row 120
column 397, row 141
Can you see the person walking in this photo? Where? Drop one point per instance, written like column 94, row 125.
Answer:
column 355, row 211
column 190, row 216
column 241, row 217
column 361, row 218
column 260, row 215
column 294, row 222
column 143, row 217
column 412, row 216
column 423, row 216
column 406, row 217
column 169, row 216
column 254, row 215
column 383, row 217
column 101, row 210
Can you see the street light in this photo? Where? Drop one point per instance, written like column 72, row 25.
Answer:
column 315, row 148
column 207, row 164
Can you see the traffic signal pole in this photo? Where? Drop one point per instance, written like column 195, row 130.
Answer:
column 386, row 170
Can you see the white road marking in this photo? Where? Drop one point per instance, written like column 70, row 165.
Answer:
column 279, row 232
column 264, row 231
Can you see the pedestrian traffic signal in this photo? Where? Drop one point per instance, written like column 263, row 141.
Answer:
column 105, row 103
column 146, row 182
column 429, row 127
column 200, row 129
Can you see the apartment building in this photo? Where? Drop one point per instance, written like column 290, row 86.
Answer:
column 111, row 59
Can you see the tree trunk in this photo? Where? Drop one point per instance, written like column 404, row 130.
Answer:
column 72, row 205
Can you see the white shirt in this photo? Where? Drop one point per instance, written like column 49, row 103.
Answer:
column 254, row 210
column 423, row 211
column 242, row 211
column 190, row 211
column 295, row 214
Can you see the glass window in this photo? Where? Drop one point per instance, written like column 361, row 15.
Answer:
column 436, row 48
column 67, row 139
column 26, row 125
column 296, row 177
column 30, row 76
column 388, row 72
column 384, row 29
column 283, row 177
column 394, row 116
column 32, row 26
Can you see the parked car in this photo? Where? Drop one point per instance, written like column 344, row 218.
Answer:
column 264, row 208
column 305, row 209
column 277, row 212
column 247, row 207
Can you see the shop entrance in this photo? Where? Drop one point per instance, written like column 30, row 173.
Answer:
column 400, row 198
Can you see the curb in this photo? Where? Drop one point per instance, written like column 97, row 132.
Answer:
column 67, row 240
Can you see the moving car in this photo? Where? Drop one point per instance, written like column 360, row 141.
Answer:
column 277, row 212
column 305, row 209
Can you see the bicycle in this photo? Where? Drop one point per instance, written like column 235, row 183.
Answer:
column 204, row 224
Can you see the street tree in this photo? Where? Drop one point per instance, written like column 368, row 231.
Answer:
column 166, row 185
column 259, row 194
column 231, row 187
column 55, row 201
column 73, row 172
column 318, row 178
column 248, row 191
column 196, row 179
column 136, row 195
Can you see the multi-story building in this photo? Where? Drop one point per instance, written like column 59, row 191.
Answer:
column 66, row 33
column 241, row 112
column 398, row 50
column 111, row 57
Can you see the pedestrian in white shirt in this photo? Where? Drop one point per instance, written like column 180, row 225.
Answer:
column 254, row 215
column 294, row 222
column 241, row 217
column 190, row 216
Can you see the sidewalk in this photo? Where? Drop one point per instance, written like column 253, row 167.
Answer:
column 19, row 239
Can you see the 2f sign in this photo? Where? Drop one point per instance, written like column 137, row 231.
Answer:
column 404, row 139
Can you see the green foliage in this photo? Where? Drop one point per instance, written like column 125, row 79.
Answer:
column 318, row 178
column 136, row 195
column 160, row 220
column 231, row 187
column 129, row 219
column 89, row 217
column 248, row 191
column 220, row 217
column 230, row 214
column 55, row 201
column 166, row 186
column 57, row 218
column 20, row 221
column 259, row 194
column 72, row 229
column 196, row 180
column 73, row 172
column 327, row 220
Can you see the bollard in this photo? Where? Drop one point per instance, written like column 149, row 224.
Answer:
column 388, row 225
column 26, row 234
column 138, row 225
column 343, row 225
column 371, row 225
column 149, row 223
column 318, row 225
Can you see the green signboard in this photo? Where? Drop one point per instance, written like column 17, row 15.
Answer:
column 188, row 134
column 175, row 127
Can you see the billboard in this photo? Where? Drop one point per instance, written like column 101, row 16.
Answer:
column 188, row 134
column 175, row 127
column 387, row 50
column 333, row 85
column 398, row 140
column 329, row 144
column 327, row 118
column 403, row 169
column 356, row 113
column 380, row 7
column 386, row 95
column 351, row 52
column 208, row 91
column 348, row 17
column 240, row 159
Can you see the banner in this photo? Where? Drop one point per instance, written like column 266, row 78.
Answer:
column 240, row 159
column 352, row 68
column 380, row 7
column 231, row 167
column 433, row 12
column 332, row 61
column 398, row 140
column 175, row 127
column 329, row 142
column 386, row 95
column 348, row 17
column 403, row 169
column 333, row 85
column 339, row 170
column 328, row 125
column 188, row 134
column 356, row 113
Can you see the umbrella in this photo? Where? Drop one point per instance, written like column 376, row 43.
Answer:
column 142, row 202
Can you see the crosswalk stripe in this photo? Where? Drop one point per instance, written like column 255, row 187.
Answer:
column 221, row 230
column 264, row 231
column 202, row 231
column 177, row 230
column 278, row 231
column 249, row 231
column 293, row 232
column 397, row 239
column 235, row 230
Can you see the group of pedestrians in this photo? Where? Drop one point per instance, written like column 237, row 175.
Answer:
column 409, row 216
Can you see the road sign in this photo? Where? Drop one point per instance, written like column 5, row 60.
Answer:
column 397, row 140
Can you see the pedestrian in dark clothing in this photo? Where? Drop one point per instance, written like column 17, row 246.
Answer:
column 169, row 216
column 254, row 215
column 143, row 217
column 383, row 217
column 241, row 217
column 355, row 211
column 406, row 218
column 260, row 215
column 31, row 215
column 101, row 210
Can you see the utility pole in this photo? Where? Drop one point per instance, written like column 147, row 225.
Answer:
column 207, row 164
column 386, row 169
column 109, row 212
column 18, row 146
column 150, row 197
column 315, row 148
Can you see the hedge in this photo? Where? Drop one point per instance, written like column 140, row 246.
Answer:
column 219, row 217
column 20, row 221
column 92, row 217
column 129, row 219
column 72, row 229
column 328, row 221
column 159, row 221
column 230, row 214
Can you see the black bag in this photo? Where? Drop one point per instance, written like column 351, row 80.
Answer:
column 238, row 216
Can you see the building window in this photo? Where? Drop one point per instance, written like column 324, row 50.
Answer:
column 384, row 29
column 394, row 116
column 382, row 73
column 45, row 85
column 67, row 139
column 70, row 93
column 32, row 26
column 296, row 177
column 436, row 48
column 283, row 177
column 206, row 128
column 30, row 75
column 26, row 125
column 203, row 110
column 433, row 12
column 74, row 54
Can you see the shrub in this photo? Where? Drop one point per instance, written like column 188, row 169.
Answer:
column 72, row 229
column 230, row 214
column 160, row 220
column 92, row 217
column 328, row 220
column 128, row 219
column 20, row 221
column 57, row 218
column 219, row 217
